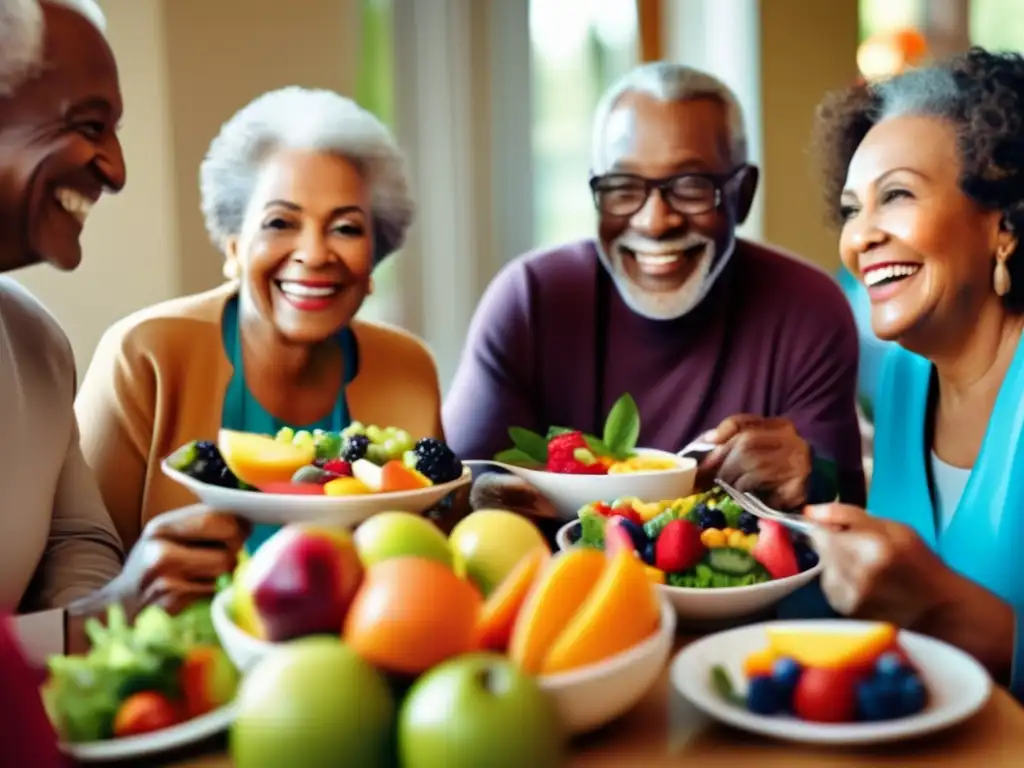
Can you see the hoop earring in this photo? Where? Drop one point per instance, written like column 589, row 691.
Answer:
column 1001, row 275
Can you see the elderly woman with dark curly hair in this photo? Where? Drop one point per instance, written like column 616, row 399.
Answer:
column 305, row 193
column 926, row 174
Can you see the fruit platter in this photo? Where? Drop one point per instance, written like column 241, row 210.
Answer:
column 570, row 467
column 343, row 476
column 160, row 682
column 520, row 646
column 712, row 559
column 831, row 681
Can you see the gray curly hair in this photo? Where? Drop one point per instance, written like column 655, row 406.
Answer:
column 304, row 119
column 22, row 29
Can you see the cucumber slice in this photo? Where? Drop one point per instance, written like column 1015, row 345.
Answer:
column 735, row 562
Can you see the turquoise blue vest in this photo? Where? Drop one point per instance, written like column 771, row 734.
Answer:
column 982, row 542
column 242, row 411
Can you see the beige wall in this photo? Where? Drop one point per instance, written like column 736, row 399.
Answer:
column 809, row 47
column 186, row 66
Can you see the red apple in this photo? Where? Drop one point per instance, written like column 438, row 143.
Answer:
column 302, row 581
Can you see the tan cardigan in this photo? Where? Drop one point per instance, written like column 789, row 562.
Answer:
column 158, row 380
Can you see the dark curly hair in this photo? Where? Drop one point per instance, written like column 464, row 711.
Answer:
column 982, row 94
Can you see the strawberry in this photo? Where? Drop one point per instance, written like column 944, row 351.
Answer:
column 566, row 454
column 774, row 550
column 629, row 513
column 602, row 509
column 338, row 467
column 678, row 548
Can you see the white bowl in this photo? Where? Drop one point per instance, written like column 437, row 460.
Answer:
column 281, row 509
column 722, row 604
column 244, row 650
column 591, row 697
column 586, row 698
column 958, row 686
column 570, row 492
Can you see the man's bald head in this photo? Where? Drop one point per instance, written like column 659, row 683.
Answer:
column 22, row 26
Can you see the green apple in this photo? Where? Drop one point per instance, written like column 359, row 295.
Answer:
column 400, row 534
column 479, row 709
column 313, row 702
column 488, row 543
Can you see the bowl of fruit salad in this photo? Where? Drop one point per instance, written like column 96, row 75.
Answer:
column 831, row 682
column 571, row 468
column 713, row 560
column 341, row 477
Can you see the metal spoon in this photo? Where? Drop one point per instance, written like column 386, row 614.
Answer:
column 759, row 509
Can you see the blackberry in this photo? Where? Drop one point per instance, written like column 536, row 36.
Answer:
column 355, row 448
column 709, row 517
column 748, row 522
column 208, row 466
column 436, row 461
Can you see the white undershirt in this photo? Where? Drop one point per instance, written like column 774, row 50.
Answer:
column 948, row 483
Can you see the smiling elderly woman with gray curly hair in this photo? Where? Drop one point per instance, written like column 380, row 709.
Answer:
column 305, row 193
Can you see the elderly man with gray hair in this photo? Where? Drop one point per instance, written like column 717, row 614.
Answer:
column 60, row 554
column 715, row 337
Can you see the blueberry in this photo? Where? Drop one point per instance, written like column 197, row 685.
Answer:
column 806, row 558
column 748, row 523
column 879, row 699
column 636, row 533
column 763, row 696
column 648, row 553
column 889, row 665
column 913, row 695
column 786, row 673
column 708, row 517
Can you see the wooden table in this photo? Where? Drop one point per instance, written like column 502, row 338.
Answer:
column 665, row 730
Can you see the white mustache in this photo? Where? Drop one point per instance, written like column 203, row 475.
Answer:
column 636, row 242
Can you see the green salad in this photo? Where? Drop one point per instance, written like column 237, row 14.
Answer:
column 85, row 692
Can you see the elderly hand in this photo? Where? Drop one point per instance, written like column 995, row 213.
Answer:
column 875, row 568
column 756, row 453
column 180, row 556
column 497, row 491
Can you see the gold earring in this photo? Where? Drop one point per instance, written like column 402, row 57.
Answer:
column 1001, row 276
column 231, row 271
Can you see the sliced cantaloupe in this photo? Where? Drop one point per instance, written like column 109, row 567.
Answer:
column 260, row 459
column 553, row 600
column 833, row 650
column 621, row 610
column 499, row 613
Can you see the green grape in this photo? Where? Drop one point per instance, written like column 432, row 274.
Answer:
column 409, row 458
column 377, row 454
column 404, row 440
column 328, row 444
column 303, row 437
column 393, row 448
column 375, row 434
column 285, row 435
column 355, row 428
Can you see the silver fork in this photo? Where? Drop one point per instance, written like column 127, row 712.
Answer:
column 759, row 509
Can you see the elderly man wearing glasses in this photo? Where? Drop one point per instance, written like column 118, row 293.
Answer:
column 715, row 337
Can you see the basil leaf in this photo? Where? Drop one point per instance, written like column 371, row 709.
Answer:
column 530, row 443
column 517, row 458
column 597, row 446
column 622, row 428
column 556, row 431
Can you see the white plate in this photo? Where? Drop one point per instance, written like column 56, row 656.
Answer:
column 132, row 747
column 958, row 686
column 723, row 603
column 281, row 508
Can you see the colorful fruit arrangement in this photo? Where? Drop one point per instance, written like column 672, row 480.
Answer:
column 158, row 672
column 572, row 452
column 829, row 677
column 359, row 460
column 425, row 623
column 702, row 541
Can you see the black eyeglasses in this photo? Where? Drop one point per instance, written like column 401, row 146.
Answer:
column 691, row 194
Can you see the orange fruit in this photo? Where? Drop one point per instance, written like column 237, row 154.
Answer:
column 261, row 460
column 395, row 476
column 503, row 606
column 412, row 613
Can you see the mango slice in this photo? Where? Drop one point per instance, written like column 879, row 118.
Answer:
column 260, row 459
column 551, row 604
column 504, row 604
column 833, row 650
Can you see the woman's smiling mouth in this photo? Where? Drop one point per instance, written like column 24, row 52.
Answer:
column 308, row 296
